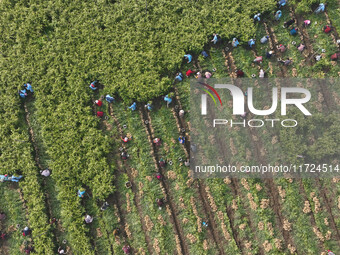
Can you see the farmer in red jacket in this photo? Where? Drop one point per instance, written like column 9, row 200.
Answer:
column 189, row 73
column 335, row 56
column 99, row 103
column 327, row 29
column 26, row 231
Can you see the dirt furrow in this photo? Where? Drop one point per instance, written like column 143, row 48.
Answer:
column 56, row 231
column 274, row 44
column 229, row 63
column 177, row 227
column 200, row 187
column 334, row 34
column 312, row 216
column 304, row 36
column 324, row 193
column 137, row 201
column 271, row 189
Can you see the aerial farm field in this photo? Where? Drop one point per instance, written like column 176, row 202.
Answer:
column 135, row 49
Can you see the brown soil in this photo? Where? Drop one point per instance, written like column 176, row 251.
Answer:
column 137, row 201
column 176, row 223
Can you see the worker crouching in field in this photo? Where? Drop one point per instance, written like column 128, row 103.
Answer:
column 235, row 42
column 207, row 74
column 162, row 163
column 157, row 141
column 88, row 219
column 261, row 73
column 23, row 93
column 124, row 155
column 98, row 103
column 327, row 29
column 104, row 206
column 158, row 176
column 335, row 56
column 100, row 114
column 133, row 106
column 93, row 85
column 109, row 99
column 61, row 250
column 321, row 8
column 281, row 48
column 286, row 62
column 188, row 57
column 269, row 54
column 181, row 139
column 258, row 60
column 215, row 38
column 160, row 203
column 45, row 172
column 189, row 73
column 179, row 76
column 10, row 178
column 278, row 14
column 239, row 73
column 264, row 39
column 81, row 193
column 126, row 138
column 148, row 106
column 301, row 47
column 204, row 54
column 251, row 43
column 281, row 3
column 126, row 249
column 293, row 31
column 26, row 231
column 28, row 87
column 168, row 100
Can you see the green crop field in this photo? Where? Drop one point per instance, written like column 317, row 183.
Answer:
column 134, row 49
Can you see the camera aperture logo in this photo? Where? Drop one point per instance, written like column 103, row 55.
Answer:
column 238, row 98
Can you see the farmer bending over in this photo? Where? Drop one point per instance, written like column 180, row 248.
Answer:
column 93, row 85
column 133, row 106
column 109, row 99
column 188, row 57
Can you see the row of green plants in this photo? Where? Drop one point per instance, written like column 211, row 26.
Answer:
column 17, row 159
column 164, row 125
column 12, row 206
column 147, row 185
column 224, row 197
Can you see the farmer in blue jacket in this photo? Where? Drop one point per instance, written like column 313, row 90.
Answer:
column 93, row 85
column 278, row 14
column 28, row 87
column 235, row 42
column 109, row 99
column 23, row 93
column 81, row 193
column 188, row 57
column 7, row 178
column 133, row 106
column 215, row 39
column 148, row 106
column 321, row 8
column 251, row 42
column 168, row 100
column 179, row 76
